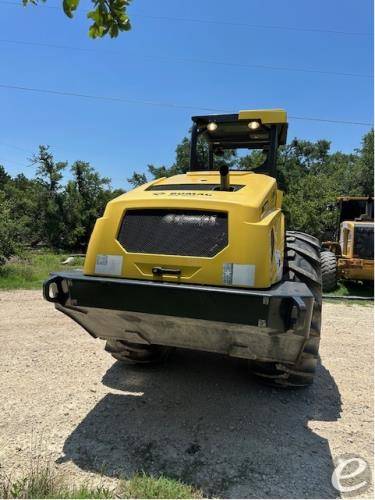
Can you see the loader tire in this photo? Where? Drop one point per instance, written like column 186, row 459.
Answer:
column 132, row 353
column 301, row 263
column 329, row 271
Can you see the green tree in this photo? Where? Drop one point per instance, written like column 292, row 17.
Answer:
column 364, row 174
column 4, row 177
column 108, row 17
column 182, row 162
column 86, row 198
column 72, row 213
column 48, row 173
column 45, row 211
column 50, row 197
column 299, row 158
column 24, row 195
column 137, row 179
column 8, row 230
column 253, row 160
column 313, row 177
column 308, row 206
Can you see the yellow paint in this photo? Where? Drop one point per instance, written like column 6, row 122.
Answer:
column 356, row 269
column 249, row 229
column 266, row 116
column 349, row 265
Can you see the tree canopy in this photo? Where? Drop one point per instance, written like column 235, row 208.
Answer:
column 45, row 211
column 108, row 17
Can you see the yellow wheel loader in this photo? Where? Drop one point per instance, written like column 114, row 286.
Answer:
column 352, row 256
column 202, row 261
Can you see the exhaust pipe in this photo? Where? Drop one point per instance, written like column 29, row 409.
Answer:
column 224, row 178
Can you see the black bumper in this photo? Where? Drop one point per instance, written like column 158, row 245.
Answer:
column 270, row 324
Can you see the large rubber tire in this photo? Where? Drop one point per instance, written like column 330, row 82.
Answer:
column 329, row 271
column 301, row 263
column 132, row 353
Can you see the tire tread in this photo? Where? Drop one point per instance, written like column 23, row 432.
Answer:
column 302, row 263
column 329, row 271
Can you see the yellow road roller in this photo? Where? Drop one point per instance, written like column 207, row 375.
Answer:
column 202, row 261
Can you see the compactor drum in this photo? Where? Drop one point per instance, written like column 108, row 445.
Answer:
column 202, row 261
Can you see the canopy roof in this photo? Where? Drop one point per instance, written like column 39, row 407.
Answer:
column 233, row 130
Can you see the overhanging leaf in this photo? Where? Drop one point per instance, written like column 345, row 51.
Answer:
column 69, row 6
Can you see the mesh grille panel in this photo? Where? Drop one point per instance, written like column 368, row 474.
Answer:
column 174, row 232
column 364, row 242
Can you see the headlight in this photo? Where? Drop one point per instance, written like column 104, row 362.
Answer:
column 253, row 125
column 212, row 126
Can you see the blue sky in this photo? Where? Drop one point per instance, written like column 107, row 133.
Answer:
column 153, row 62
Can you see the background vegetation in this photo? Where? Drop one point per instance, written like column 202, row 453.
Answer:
column 43, row 481
column 46, row 212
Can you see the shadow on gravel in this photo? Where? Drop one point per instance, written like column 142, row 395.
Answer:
column 201, row 418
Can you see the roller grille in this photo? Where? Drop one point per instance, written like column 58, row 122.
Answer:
column 174, row 232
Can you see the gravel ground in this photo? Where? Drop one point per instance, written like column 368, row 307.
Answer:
column 200, row 417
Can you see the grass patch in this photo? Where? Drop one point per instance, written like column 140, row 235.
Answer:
column 45, row 482
column 353, row 288
column 144, row 486
column 29, row 271
column 359, row 289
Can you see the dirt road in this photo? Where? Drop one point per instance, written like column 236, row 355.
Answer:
column 200, row 417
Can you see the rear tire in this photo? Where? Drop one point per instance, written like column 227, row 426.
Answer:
column 132, row 353
column 302, row 264
column 329, row 271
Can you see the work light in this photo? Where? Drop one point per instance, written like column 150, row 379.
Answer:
column 253, row 125
column 212, row 126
